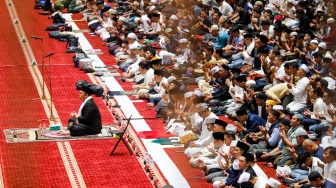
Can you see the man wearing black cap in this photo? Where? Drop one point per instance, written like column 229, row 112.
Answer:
column 245, row 163
column 88, row 119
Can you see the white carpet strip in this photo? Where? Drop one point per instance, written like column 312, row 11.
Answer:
column 71, row 166
column 156, row 151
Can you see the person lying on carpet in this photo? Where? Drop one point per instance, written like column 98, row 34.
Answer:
column 88, row 119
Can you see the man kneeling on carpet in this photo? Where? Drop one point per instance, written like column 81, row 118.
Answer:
column 88, row 119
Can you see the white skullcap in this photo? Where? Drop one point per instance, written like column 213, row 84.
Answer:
column 198, row 93
column 244, row 177
column 171, row 78
column 322, row 45
column 188, row 95
column 330, row 20
column 217, row 184
column 210, row 120
column 250, row 82
column 136, row 20
column 293, row 33
column 135, row 46
column 278, row 107
column 231, row 127
column 314, row 41
column 132, row 36
column 122, row 18
column 184, row 40
column 293, row 2
column 201, row 107
column 273, row 183
column 173, row 17
column 234, row 143
column 305, row 68
column 151, row 8
column 214, row 70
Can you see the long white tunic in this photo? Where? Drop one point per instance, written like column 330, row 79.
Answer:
column 300, row 95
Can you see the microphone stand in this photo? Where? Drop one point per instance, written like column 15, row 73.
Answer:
column 51, row 117
column 43, row 70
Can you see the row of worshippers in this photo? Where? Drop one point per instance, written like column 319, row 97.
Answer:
column 250, row 74
column 223, row 156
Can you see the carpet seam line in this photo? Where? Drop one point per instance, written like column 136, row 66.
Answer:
column 37, row 76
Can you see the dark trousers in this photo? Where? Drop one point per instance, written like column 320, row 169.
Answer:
column 81, row 130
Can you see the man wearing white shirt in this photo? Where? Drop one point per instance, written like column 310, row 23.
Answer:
column 299, row 91
column 279, row 70
column 267, row 29
column 205, row 135
column 319, row 107
column 224, row 8
column 155, row 95
column 329, row 157
column 148, row 74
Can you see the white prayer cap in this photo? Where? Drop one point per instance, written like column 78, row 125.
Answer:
column 278, row 107
column 173, row 17
column 198, row 93
column 214, row 28
column 244, row 177
column 132, row 36
column 151, row 8
column 217, row 184
column 330, row 20
column 171, row 78
column 188, row 95
column 250, row 82
column 293, row 33
column 322, row 45
column 214, row 70
column 293, row 2
column 184, row 40
column 122, row 18
column 201, row 107
column 136, row 20
column 231, row 127
column 210, row 120
column 273, row 183
column 135, row 46
column 305, row 68
column 234, row 143
column 314, row 41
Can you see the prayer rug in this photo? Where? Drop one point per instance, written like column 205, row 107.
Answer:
column 41, row 135
column 165, row 141
column 154, row 134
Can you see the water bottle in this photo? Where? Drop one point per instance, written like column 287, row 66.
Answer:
column 15, row 138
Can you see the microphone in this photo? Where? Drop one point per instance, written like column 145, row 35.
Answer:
column 52, row 53
column 36, row 37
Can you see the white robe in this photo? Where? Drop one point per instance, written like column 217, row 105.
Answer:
column 300, row 95
column 204, row 138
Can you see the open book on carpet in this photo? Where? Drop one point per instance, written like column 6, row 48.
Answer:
column 36, row 135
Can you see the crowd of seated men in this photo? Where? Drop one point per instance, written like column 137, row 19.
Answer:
column 267, row 66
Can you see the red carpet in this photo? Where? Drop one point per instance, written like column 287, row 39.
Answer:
column 40, row 164
column 192, row 175
column 154, row 134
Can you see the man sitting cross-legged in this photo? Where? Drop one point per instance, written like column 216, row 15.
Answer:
column 88, row 119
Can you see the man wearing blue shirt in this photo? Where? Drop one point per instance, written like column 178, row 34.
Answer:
column 222, row 37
